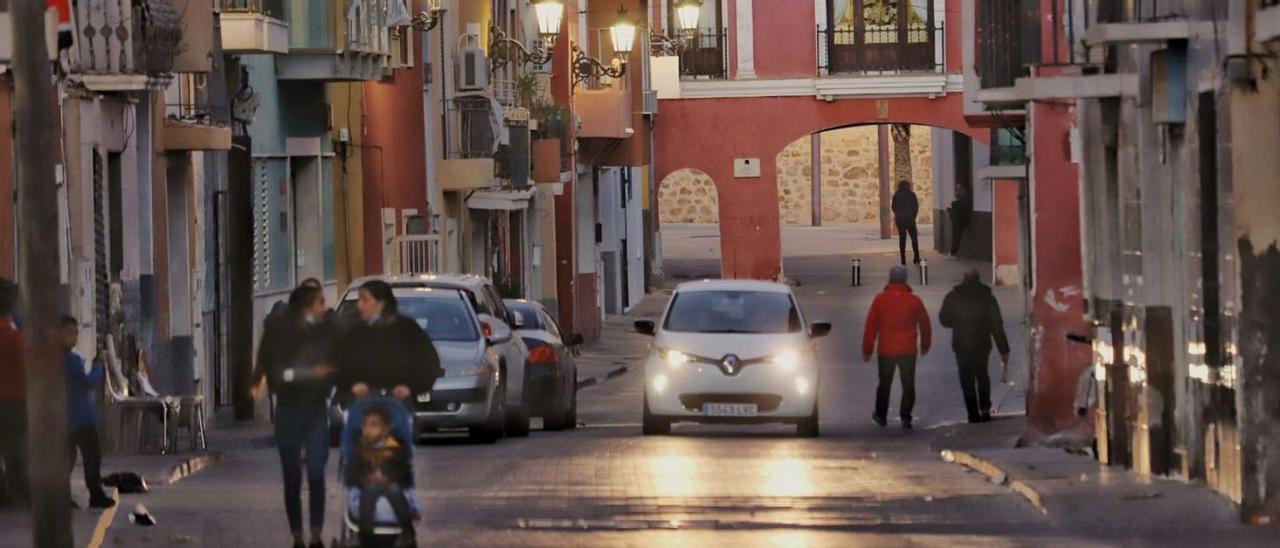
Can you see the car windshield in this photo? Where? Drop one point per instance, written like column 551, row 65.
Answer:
column 732, row 312
column 528, row 313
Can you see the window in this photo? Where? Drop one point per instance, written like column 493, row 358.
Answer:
column 443, row 318
column 707, row 54
column 881, row 36
column 733, row 312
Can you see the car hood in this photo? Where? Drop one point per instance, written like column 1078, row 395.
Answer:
column 715, row 346
column 459, row 353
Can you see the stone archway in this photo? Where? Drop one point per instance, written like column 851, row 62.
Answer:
column 850, row 176
column 688, row 196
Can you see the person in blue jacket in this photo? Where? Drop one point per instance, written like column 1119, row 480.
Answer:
column 82, row 413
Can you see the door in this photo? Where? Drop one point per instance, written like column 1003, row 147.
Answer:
column 308, row 230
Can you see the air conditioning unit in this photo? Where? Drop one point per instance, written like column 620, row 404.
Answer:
column 473, row 67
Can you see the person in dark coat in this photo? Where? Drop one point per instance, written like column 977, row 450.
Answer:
column 295, row 360
column 386, row 351
column 972, row 313
column 961, row 212
column 905, row 208
column 895, row 323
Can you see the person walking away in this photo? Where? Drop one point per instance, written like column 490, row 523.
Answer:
column 386, row 351
column 896, row 321
column 14, row 483
column 905, row 208
column 381, row 468
column 295, row 363
column 970, row 310
column 961, row 213
column 82, row 413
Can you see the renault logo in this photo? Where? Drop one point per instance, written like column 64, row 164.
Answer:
column 731, row 364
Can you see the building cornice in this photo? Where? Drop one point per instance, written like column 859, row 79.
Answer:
column 826, row 88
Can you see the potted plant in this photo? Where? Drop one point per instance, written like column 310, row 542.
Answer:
column 550, row 121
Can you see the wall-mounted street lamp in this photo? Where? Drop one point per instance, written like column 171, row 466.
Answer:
column 687, row 13
column 623, row 35
column 549, row 13
column 429, row 19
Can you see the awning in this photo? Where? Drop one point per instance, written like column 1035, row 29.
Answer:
column 500, row 200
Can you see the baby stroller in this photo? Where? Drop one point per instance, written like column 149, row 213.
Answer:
column 386, row 529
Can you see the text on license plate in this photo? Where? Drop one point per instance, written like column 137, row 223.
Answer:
column 424, row 397
column 729, row 409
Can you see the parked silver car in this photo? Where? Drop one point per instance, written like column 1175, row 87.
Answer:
column 495, row 326
column 473, row 391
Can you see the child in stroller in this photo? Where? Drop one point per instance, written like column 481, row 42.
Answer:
column 377, row 470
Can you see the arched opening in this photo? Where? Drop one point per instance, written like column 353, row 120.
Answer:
column 689, row 206
column 834, row 184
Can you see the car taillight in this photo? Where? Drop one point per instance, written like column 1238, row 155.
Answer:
column 542, row 355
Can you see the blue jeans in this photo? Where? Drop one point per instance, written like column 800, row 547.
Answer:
column 303, row 428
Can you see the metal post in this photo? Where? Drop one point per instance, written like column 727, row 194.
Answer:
column 924, row 272
column 885, row 213
column 35, row 127
column 815, row 170
column 856, row 274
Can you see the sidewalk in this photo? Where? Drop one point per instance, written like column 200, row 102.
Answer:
column 619, row 347
column 1077, row 492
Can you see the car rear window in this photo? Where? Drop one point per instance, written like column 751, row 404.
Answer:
column 443, row 318
column 528, row 313
column 732, row 312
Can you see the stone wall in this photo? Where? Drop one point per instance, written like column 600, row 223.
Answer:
column 850, row 177
column 688, row 196
column 850, row 181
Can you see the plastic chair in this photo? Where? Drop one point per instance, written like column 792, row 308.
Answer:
column 133, row 410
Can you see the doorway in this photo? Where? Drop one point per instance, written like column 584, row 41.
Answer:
column 308, row 230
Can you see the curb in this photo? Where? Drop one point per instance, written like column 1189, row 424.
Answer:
column 996, row 475
column 592, row 381
column 194, row 464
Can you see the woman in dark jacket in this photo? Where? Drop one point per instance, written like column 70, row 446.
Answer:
column 385, row 351
column 294, row 359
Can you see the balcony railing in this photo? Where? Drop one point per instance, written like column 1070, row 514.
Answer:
column 126, row 37
column 359, row 26
column 706, row 54
column 1008, row 41
column 270, row 8
column 473, row 131
column 883, row 49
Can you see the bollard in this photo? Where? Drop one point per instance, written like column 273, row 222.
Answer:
column 857, row 273
column 924, row 272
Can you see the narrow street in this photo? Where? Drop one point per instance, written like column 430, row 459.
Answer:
column 604, row 484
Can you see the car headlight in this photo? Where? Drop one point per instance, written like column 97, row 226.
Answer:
column 478, row 370
column 674, row 358
column 788, row 360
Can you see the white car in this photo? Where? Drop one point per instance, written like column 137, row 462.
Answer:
column 732, row 351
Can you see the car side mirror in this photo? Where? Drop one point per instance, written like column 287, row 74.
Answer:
column 574, row 339
column 820, row 329
column 495, row 331
column 646, row 327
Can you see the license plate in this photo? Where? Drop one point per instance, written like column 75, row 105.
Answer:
column 424, row 398
column 729, row 409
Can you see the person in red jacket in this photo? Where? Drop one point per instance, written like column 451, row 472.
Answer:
column 896, row 317
column 13, row 402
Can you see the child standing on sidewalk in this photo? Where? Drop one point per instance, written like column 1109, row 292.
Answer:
column 82, row 413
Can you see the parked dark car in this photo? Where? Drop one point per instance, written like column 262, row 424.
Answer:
column 551, row 377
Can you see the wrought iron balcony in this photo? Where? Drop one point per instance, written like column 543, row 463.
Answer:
column 123, row 45
column 883, row 49
column 706, row 54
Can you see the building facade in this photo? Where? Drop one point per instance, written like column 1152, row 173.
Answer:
column 1160, row 117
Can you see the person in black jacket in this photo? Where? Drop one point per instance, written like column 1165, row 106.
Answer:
column 972, row 313
column 905, row 208
column 295, row 362
column 386, row 351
